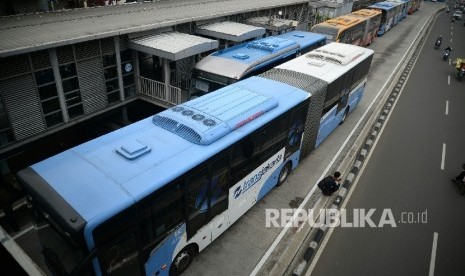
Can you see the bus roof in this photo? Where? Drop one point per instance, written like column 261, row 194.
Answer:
column 235, row 62
column 343, row 21
column 383, row 5
column 332, row 27
column 365, row 13
column 328, row 62
column 102, row 176
column 304, row 39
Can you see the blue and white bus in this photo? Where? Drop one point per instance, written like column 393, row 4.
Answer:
column 250, row 58
column 338, row 73
column 404, row 6
column 390, row 15
column 144, row 199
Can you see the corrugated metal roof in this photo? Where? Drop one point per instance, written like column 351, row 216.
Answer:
column 25, row 33
column 272, row 23
column 231, row 31
column 173, row 45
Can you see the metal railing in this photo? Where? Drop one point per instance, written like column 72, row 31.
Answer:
column 180, row 79
column 157, row 90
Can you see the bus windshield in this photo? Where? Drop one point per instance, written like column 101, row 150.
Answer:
column 329, row 32
column 60, row 250
column 206, row 82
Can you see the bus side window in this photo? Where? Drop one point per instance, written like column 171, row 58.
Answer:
column 122, row 257
column 219, row 185
column 346, row 88
column 243, row 160
column 296, row 128
column 116, row 238
column 274, row 136
column 361, row 71
column 332, row 94
column 162, row 211
column 197, row 201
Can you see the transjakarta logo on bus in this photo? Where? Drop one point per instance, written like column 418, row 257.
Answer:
column 248, row 183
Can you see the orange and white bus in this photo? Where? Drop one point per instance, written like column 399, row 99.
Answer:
column 355, row 28
column 372, row 23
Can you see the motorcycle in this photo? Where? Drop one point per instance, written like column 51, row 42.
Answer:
column 446, row 55
column 437, row 44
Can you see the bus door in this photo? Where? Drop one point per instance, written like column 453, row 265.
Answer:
column 197, row 207
column 219, row 192
column 208, row 201
column 346, row 85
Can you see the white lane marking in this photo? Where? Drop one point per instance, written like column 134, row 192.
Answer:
column 307, row 197
column 447, row 107
column 443, row 155
column 433, row 254
column 448, row 80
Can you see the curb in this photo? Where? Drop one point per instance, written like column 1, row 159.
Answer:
column 365, row 148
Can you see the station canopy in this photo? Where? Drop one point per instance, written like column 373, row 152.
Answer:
column 231, row 31
column 272, row 23
column 173, row 45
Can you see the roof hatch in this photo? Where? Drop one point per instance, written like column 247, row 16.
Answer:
column 133, row 150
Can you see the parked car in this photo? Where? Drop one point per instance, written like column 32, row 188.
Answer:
column 457, row 15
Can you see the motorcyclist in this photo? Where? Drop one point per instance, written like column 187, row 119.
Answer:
column 446, row 53
column 438, row 42
column 460, row 66
column 459, row 63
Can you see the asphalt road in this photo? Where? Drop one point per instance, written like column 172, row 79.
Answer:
column 409, row 171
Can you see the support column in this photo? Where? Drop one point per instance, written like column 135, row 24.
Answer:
column 59, row 84
column 135, row 58
column 118, row 68
column 167, row 76
column 124, row 114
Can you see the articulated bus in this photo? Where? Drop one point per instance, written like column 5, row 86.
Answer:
column 372, row 22
column 404, row 6
column 390, row 15
column 343, row 29
column 144, row 199
column 251, row 58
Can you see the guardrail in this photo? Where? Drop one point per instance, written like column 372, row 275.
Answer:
column 159, row 91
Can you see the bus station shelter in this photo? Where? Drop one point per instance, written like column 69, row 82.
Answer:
column 169, row 46
column 230, row 31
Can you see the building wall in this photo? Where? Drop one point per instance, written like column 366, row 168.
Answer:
column 43, row 91
column 37, row 96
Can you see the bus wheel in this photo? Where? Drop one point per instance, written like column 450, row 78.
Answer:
column 182, row 260
column 344, row 116
column 284, row 173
